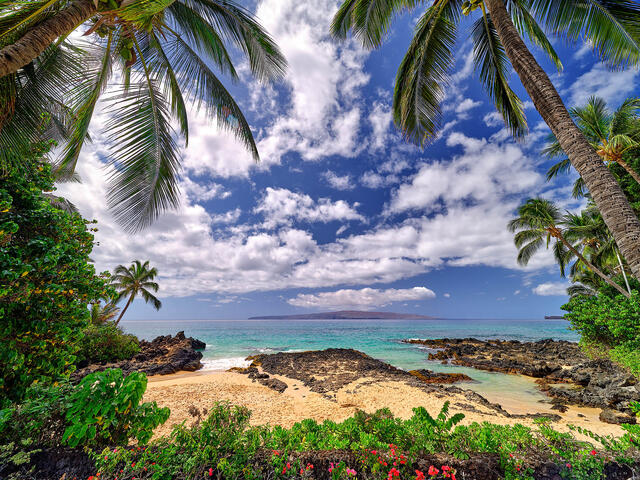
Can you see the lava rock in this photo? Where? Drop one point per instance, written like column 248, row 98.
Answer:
column 609, row 415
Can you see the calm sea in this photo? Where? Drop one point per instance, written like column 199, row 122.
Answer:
column 230, row 341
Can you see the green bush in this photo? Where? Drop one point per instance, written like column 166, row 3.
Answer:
column 609, row 322
column 103, row 409
column 106, row 343
column 46, row 282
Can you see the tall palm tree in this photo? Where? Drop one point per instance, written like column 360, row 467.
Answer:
column 135, row 280
column 611, row 26
column 163, row 51
column 614, row 136
column 539, row 222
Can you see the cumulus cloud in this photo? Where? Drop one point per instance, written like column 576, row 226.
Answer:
column 339, row 182
column 548, row 289
column 364, row 298
column 613, row 87
column 281, row 207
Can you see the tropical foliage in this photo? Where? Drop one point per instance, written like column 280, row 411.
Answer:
column 369, row 446
column 135, row 280
column 46, row 280
column 106, row 343
column 103, row 409
column 616, row 138
column 146, row 61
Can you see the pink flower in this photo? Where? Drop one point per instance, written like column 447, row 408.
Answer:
column 211, row 472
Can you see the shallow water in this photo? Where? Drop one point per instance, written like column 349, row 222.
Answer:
column 230, row 341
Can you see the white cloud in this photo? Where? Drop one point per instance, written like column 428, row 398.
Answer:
column 447, row 295
column 465, row 106
column 364, row 298
column 281, row 207
column 380, row 120
column 231, row 216
column 339, row 182
column 551, row 289
column 612, row 86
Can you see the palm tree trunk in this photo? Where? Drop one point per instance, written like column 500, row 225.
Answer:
column 37, row 39
column 125, row 309
column 605, row 191
column 593, row 268
column 629, row 170
column 624, row 274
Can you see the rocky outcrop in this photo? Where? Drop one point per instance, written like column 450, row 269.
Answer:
column 161, row 356
column 429, row 376
column 565, row 373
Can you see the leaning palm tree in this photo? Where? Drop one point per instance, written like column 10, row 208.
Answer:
column 152, row 58
column 135, row 280
column 540, row 222
column 614, row 136
column 611, row 26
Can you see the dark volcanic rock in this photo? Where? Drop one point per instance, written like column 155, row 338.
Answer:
column 161, row 356
column 613, row 416
column 429, row 376
column 565, row 372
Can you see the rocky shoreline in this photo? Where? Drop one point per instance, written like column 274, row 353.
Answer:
column 163, row 355
column 561, row 368
column 327, row 371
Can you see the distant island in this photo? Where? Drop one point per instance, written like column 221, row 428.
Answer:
column 554, row 317
column 345, row 315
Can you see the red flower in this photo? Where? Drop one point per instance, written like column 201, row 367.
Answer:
column 211, row 472
column 446, row 468
column 453, row 476
column 593, row 452
column 433, row 471
column 419, row 475
column 568, row 465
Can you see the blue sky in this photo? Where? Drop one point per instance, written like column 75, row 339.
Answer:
column 341, row 212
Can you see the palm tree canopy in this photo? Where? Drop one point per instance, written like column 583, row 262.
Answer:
column 611, row 26
column 137, row 279
column 613, row 135
column 163, row 51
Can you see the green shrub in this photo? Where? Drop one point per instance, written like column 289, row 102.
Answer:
column 106, row 343
column 609, row 322
column 46, row 282
column 105, row 409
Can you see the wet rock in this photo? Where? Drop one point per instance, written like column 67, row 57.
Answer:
column 274, row 384
column 618, row 418
column 161, row 356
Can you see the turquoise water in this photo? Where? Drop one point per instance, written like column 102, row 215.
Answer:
column 230, row 341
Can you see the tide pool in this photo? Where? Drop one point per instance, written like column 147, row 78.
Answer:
column 230, row 341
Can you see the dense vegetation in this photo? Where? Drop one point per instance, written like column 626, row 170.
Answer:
column 46, row 280
column 105, row 409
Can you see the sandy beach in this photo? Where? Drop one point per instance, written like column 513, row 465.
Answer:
column 202, row 389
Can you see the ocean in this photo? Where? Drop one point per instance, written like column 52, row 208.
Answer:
column 229, row 342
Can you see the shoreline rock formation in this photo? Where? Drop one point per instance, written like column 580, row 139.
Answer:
column 163, row 355
column 563, row 371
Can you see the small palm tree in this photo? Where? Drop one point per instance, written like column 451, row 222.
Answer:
column 135, row 280
column 101, row 314
column 539, row 221
column 165, row 53
column 614, row 136
column 498, row 35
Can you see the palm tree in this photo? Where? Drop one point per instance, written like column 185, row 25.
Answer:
column 538, row 222
column 162, row 51
column 133, row 281
column 101, row 314
column 589, row 229
column 613, row 136
column 611, row 26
